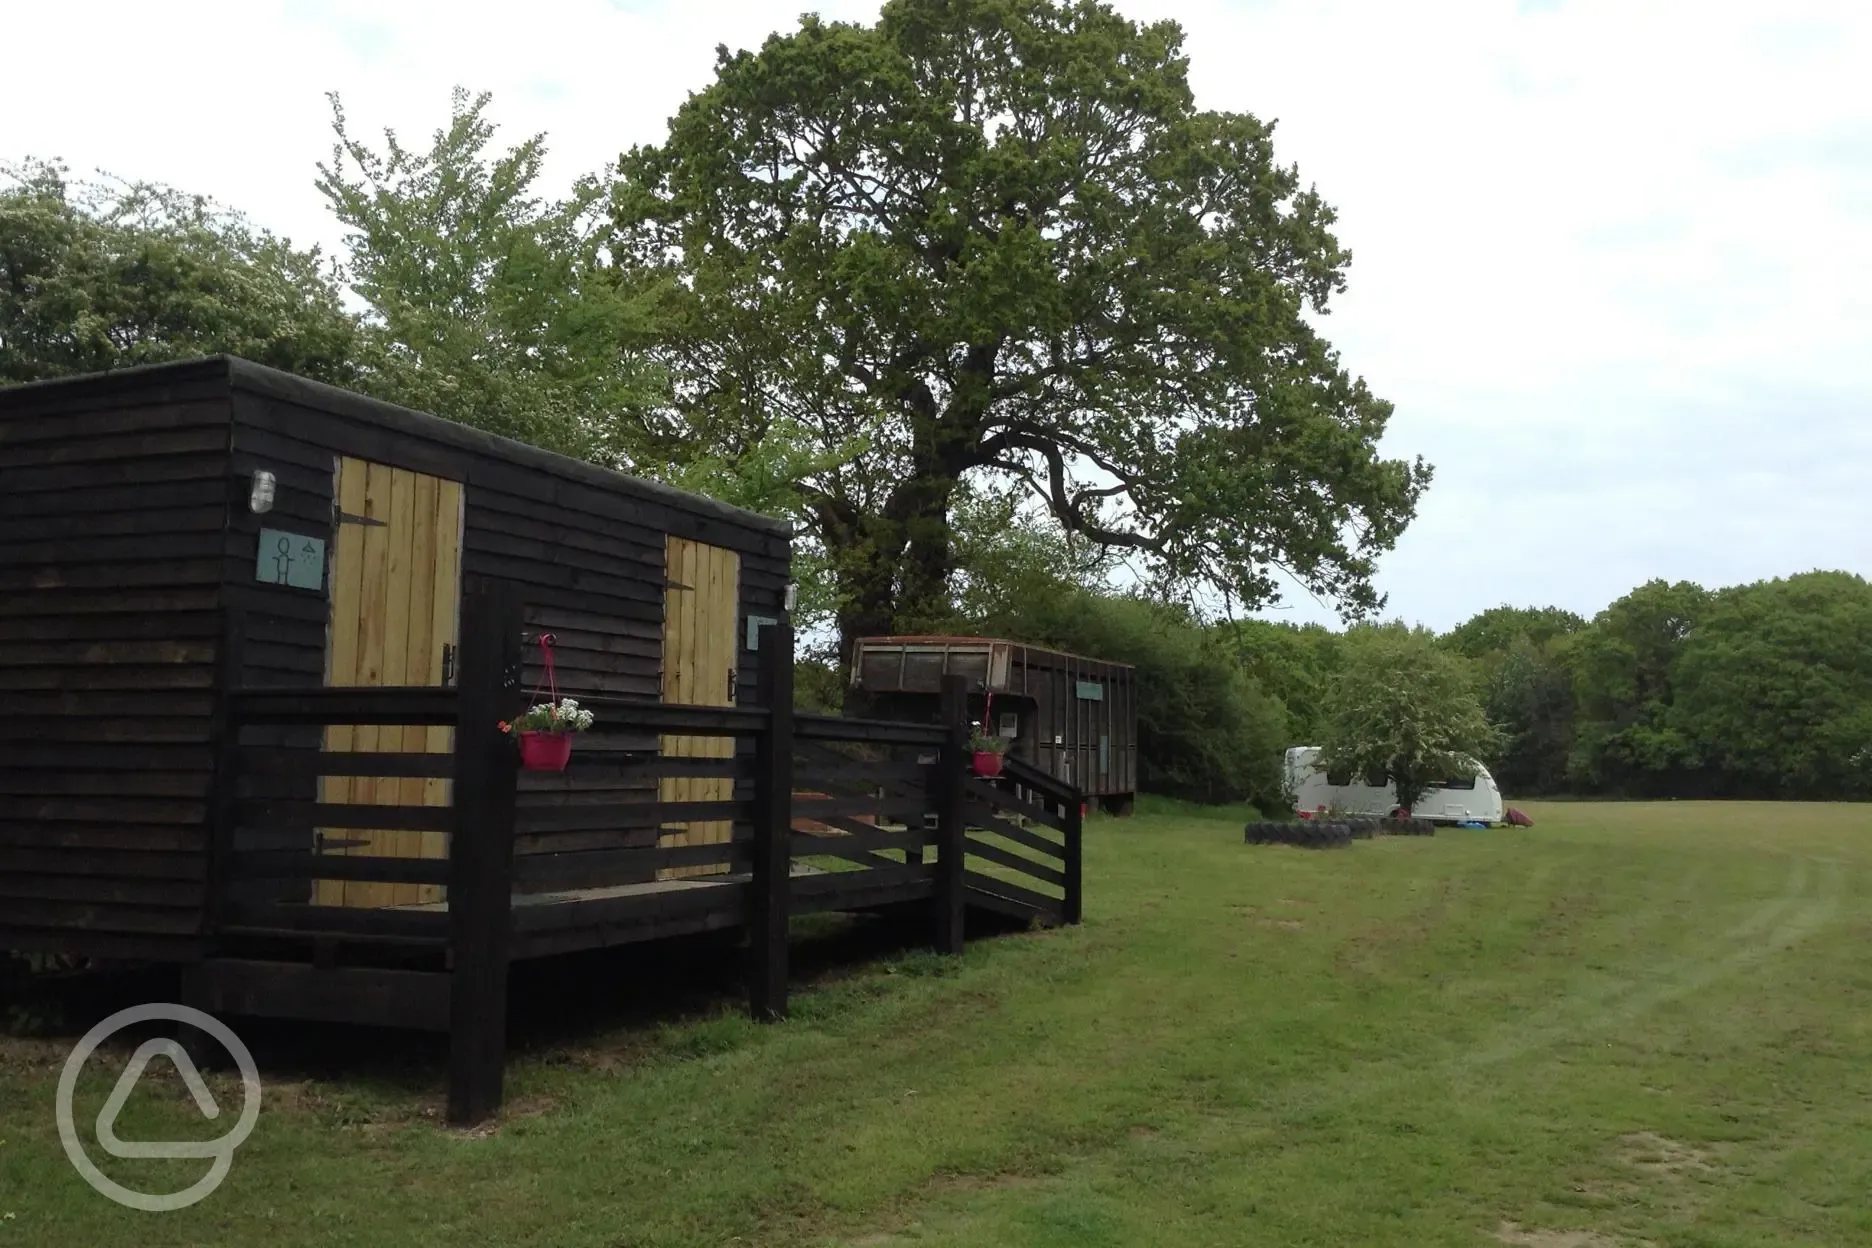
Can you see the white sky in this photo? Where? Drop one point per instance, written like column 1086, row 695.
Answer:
column 1612, row 258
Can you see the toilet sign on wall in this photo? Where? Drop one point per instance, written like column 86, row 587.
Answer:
column 291, row 559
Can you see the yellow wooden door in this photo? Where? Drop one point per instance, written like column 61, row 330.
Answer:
column 395, row 599
column 701, row 615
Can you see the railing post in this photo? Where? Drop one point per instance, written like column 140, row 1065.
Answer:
column 1075, row 837
column 770, row 903
column 481, row 849
column 951, row 816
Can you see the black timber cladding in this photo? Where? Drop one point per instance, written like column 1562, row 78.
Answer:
column 1076, row 717
column 585, row 544
column 114, row 495
column 127, row 555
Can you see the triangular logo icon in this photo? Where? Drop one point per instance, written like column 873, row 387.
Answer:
column 147, row 1052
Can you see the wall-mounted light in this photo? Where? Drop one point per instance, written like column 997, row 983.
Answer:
column 792, row 596
column 260, row 498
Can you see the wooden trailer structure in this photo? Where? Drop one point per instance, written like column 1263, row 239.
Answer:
column 257, row 635
column 1071, row 717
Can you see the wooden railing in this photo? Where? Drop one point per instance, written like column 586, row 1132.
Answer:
column 399, row 816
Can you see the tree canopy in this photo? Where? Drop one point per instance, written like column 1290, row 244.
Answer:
column 488, row 304
column 102, row 275
column 1402, row 706
column 997, row 239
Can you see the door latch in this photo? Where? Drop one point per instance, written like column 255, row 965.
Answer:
column 733, row 683
column 448, row 664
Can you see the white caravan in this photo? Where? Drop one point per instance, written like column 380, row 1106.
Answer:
column 1451, row 801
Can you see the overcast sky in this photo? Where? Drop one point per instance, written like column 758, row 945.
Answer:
column 1612, row 259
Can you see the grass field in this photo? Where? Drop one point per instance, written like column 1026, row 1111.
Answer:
column 1632, row 1024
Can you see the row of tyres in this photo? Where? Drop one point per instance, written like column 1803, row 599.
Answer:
column 1332, row 833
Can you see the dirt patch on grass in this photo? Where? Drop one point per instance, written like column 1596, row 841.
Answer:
column 1526, row 1237
column 1655, row 1154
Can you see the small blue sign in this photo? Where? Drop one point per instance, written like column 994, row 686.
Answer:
column 754, row 624
column 291, row 559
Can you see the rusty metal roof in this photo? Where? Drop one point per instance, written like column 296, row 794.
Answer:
column 934, row 639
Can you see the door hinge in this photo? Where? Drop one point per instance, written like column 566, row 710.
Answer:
column 448, row 664
column 734, row 680
column 345, row 517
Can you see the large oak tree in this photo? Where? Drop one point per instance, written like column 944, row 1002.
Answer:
column 997, row 238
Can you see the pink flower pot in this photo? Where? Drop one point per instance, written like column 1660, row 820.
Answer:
column 545, row 751
column 987, row 763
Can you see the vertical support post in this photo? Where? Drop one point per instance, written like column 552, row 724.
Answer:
column 224, row 804
column 481, row 849
column 770, row 904
column 1075, row 847
column 951, row 816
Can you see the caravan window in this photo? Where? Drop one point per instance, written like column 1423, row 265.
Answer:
column 1458, row 784
column 1338, row 778
column 1375, row 778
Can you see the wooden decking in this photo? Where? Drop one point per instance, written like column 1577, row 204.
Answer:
column 808, row 814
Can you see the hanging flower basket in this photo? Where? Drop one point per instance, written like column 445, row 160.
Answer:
column 545, row 730
column 988, row 751
column 545, row 751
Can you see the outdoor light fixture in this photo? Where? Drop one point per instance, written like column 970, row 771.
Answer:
column 260, row 499
column 792, row 596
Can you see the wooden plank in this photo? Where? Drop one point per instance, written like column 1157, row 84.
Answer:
column 1039, row 902
column 770, row 896
column 39, row 782
column 94, row 731
column 979, row 818
column 659, row 901
column 93, row 917
column 103, row 891
column 835, row 847
column 266, row 769
column 179, row 573
column 341, row 656
column 94, row 809
column 1074, row 911
column 400, row 542
column 881, row 732
column 117, row 418
column 985, row 796
column 575, row 818
column 445, row 626
column 951, row 903
column 87, row 653
column 122, row 864
column 48, row 600
column 138, row 947
column 305, row 864
column 363, row 816
column 126, row 679
column 599, row 868
column 480, row 886
column 1013, row 861
column 376, row 592
column 183, row 840
column 414, row 705
column 868, row 890
column 133, row 471
column 425, row 927
column 417, row 1000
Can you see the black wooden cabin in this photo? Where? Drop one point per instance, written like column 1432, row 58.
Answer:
column 1072, row 717
column 256, row 637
